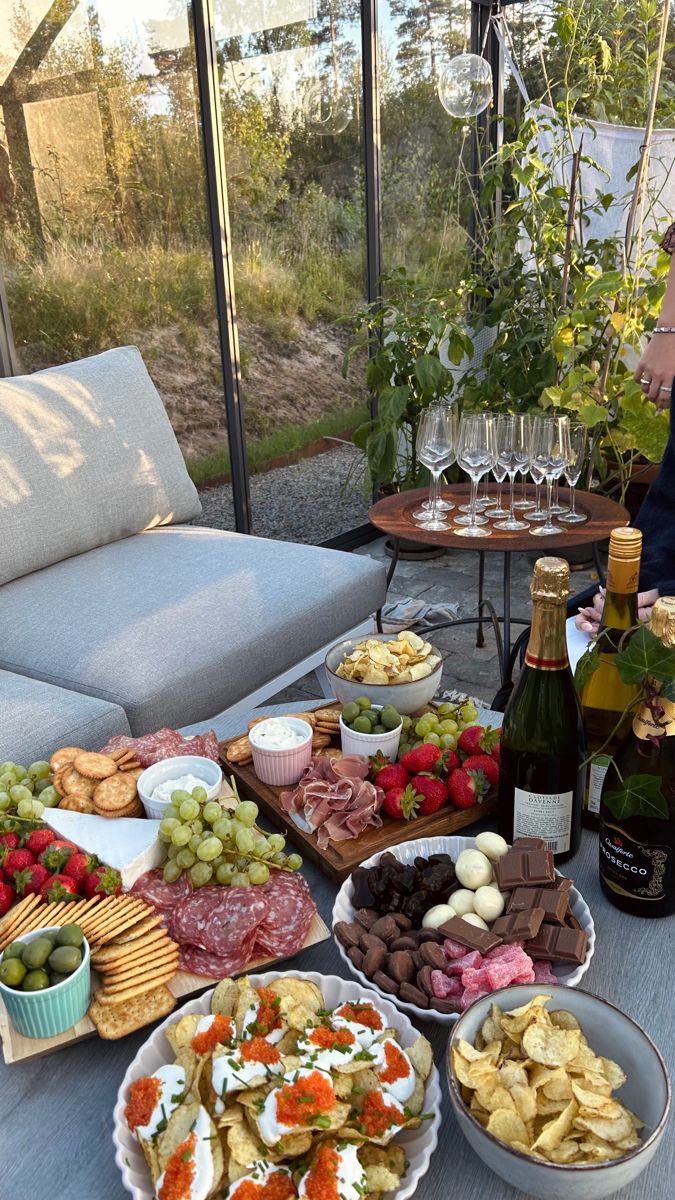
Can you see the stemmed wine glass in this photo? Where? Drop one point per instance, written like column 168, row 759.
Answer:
column 476, row 454
column 513, row 452
column 536, row 471
column 496, row 507
column 578, row 439
column 436, row 450
column 551, row 451
column 482, row 501
column 423, row 514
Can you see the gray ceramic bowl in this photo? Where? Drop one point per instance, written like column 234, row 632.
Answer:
column 646, row 1092
column 406, row 697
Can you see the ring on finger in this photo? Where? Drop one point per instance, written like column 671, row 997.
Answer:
column 645, row 381
column 666, row 387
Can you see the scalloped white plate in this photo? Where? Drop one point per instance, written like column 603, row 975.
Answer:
column 407, row 852
column 419, row 1144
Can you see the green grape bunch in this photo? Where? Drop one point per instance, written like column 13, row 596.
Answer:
column 27, row 791
column 219, row 846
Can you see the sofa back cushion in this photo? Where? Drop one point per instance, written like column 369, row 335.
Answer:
column 87, row 456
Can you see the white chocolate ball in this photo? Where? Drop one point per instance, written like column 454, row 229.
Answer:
column 473, row 869
column 474, row 919
column 437, row 915
column 488, row 903
column 462, row 901
column 492, row 845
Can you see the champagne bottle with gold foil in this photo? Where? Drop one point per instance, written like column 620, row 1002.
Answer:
column 605, row 696
column 542, row 776
column 637, row 811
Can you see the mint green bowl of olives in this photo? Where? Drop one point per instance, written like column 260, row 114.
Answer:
column 45, row 981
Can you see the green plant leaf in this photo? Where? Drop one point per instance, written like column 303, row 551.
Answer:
column 639, row 796
column 586, row 667
column 382, row 456
column 607, row 284
column 378, row 371
column 591, row 413
column 392, row 404
column 647, row 426
column 361, row 434
column 645, row 656
column 428, row 372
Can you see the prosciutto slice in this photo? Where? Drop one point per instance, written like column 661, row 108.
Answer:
column 334, row 799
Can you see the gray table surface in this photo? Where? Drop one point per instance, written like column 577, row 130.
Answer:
column 56, row 1112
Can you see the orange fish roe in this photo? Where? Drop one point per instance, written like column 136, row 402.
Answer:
column 258, row 1049
column 267, row 1015
column 365, row 1014
column 377, row 1117
column 218, row 1033
column 330, row 1039
column 179, row 1172
column 279, row 1186
column 396, row 1065
column 300, row 1103
column 143, row 1098
column 322, row 1181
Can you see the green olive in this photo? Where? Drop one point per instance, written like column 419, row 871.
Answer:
column 35, row 981
column 12, row 972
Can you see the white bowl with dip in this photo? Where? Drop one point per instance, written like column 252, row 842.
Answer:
column 185, row 771
column 282, row 749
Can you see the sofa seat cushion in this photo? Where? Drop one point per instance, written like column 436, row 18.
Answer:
column 177, row 624
column 38, row 718
column 87, row 456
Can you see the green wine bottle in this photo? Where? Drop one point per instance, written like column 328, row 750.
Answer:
column 542, row 774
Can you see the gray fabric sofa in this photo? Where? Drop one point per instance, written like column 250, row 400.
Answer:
column 117, row 614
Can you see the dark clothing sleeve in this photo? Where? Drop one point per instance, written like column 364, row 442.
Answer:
column 656, row 519
column 668, row 240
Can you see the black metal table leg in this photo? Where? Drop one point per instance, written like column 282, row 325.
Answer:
column 396, row 549
column 480, row 633
column 507, row 610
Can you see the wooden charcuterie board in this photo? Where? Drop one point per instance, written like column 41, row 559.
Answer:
column 338, row 859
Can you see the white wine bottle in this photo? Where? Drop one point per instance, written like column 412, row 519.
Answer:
column 605, row 696
column 637, row 810
column 542, row 775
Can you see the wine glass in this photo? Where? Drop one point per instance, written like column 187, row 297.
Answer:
column 551, row 451
column 476, row 454
column 578, row 441
column 536, row 471
column 482, row 502
column 423, row 514
column 435, row 447
column 496, row 508
column 513, row 452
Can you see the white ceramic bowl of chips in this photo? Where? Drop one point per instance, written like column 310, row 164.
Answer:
column 407, row 852
column 419, row 1144
column 406, row 697
column 646, row 1092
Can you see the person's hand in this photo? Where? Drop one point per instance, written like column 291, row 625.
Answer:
column 656, row 369
column 588, row 619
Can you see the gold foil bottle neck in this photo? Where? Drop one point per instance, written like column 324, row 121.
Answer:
column 662, row 621
column 625, row 544
column 551, row 580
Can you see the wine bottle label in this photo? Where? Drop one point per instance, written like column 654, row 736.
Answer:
column 645, row 726
column 623, row 576
column 596, row 777
column 630, row 868
column 537, row 814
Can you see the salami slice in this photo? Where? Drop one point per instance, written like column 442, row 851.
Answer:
column 221, row 920
column 291, row 908
column 163, row 896
column 165, row 743
column 214, row 966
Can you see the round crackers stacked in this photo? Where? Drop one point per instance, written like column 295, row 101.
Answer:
column 325, row 724
column 104, row 784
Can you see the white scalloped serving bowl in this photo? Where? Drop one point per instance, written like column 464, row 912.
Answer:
column 419, row 1144
column 407, row 852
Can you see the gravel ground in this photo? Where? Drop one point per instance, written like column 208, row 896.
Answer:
column 310, row 501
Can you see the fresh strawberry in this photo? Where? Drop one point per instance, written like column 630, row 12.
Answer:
column 103, row 881
column 17, row 860
column 58, row 887
column 6, row 898
column 466, row 788
column 8, row 841
column 378, row 762
column 394, row 775
column 39, row 840
column 401, row 803
column 2, row 875
column 79, row 866
column 433, row 791
column 29, row 881
column 484, row 763
column 477, row 739
column 450, row 761
column 55, row 857
column 422, row 758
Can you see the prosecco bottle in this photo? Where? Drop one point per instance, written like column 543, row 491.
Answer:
column 605, row 697
column 637, row 810
column 542, row 776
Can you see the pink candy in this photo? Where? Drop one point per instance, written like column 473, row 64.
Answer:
column 469, row 975
column 470, row 996
column 543, row 973
column 459, row 965
column 454, row 949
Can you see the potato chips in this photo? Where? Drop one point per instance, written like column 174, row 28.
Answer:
column 271, row 1082
column 533, row 1081
column 403, row 659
